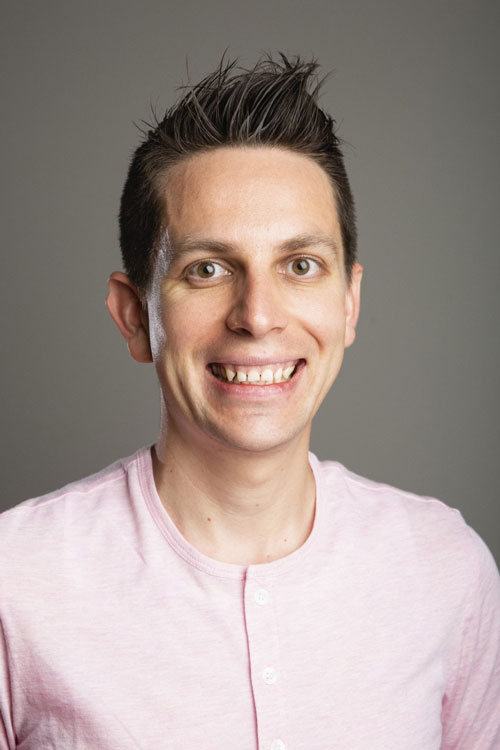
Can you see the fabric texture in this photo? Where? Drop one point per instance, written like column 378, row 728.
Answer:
column 381, row 631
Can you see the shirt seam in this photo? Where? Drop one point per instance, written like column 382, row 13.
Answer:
column 456, row 679
column 379, row 487
column 23, row 507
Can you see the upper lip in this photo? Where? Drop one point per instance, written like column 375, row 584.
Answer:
column 255, row 361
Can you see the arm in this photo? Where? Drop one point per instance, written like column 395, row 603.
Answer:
column 471, row 707
column 7, row 740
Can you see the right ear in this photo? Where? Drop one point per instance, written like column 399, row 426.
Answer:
column 125, row 307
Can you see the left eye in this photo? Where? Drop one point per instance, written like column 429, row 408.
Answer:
column 302, row 267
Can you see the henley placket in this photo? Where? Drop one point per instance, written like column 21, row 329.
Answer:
column 266, row 670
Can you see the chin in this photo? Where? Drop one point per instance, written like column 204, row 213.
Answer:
column 255, row 441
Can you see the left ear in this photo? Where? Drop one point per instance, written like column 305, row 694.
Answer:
column 352, row 302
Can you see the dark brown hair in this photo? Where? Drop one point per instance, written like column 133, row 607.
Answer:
column 274, row 103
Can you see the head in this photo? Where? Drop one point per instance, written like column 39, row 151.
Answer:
column 238, row 238
column 275, row 103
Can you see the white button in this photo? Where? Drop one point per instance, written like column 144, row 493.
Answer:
column 269, row 675
column 261, row 596
column 277, row 745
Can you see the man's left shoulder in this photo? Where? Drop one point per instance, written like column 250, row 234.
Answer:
column 435, row 531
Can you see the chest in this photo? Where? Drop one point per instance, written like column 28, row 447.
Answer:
column 314, row 665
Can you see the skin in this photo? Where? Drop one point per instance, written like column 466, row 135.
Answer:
column 231, row 464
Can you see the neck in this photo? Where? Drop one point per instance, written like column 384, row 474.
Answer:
column 241, row 507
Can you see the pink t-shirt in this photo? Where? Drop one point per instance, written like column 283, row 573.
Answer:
column 382, row 632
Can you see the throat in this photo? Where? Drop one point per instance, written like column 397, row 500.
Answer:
column 239, row 522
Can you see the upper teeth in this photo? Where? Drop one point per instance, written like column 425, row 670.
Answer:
column 264, row 375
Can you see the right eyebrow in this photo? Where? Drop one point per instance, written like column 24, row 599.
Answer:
column 192, row 245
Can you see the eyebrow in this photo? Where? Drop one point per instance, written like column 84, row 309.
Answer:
column 299, row 242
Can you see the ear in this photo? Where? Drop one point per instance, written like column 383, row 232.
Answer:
column 352, row 302
column 125, row 307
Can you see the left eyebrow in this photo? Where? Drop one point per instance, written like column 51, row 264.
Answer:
column 303, row 241
column 300, row 242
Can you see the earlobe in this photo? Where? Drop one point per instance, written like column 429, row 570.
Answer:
column 353, row 303
column 125, row 307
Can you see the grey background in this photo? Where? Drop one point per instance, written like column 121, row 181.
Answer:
column 415, row 94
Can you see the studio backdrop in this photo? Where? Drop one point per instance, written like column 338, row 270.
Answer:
column 414, row 91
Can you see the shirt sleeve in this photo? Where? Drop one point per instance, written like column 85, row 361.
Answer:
column 7, row 741
column 471, row 707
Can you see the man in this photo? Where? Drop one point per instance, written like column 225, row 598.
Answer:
column 224, row 588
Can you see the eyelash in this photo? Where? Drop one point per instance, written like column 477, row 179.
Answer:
column 308, row 260
column 191, row 271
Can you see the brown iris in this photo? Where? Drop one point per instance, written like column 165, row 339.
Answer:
column 301, row 266
column 206, row 270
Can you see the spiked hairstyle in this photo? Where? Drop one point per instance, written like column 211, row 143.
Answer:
column 275, row 103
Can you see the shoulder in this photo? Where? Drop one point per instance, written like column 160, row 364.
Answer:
column 417, row 556
column 58, row 518
column 380, row 500
column 420, row 531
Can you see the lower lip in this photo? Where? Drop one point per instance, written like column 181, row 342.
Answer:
column 258, row 392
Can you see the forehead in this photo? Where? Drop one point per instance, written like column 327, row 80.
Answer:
column 242, row 195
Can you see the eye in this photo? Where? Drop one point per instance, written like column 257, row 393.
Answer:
column 302, row 267
column 206, row 270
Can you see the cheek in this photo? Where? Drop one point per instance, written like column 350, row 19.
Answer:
column 325, row 320
column 181, row 325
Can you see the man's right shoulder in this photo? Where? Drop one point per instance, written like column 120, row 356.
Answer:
column 63, row 513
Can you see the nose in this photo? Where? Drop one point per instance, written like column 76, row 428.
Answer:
column 257, row 307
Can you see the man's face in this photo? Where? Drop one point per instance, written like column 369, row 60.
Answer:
column 249, row 309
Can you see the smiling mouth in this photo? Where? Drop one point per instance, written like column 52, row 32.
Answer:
column 267, row 374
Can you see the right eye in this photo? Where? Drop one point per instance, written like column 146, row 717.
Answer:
column 206, row 270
